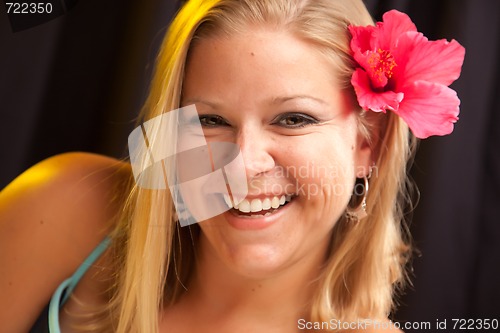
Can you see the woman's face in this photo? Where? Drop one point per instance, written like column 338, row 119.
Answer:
column 276, row 97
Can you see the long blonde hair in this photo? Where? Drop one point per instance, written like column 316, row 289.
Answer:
column 366, row 260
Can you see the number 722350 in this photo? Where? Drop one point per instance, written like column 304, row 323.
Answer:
column 475, row 324
column 29, row 8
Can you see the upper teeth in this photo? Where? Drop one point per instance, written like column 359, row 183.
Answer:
column 257, row 205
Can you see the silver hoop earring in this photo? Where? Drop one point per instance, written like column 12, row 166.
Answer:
column 359, row 211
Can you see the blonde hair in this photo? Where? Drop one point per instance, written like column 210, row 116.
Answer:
column 366, row 259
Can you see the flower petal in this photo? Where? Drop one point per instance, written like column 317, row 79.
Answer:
column 434, row 61
column 394, row 25
column 369, row 99
column 362, row 38
column 429, row 109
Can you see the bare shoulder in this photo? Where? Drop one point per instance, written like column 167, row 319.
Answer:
column 51, row 217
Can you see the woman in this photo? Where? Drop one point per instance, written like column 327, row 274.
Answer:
column 311, row 246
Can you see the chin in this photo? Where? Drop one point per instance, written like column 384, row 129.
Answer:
column 258, row 261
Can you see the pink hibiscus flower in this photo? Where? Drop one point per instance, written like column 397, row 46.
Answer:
column 402, row 71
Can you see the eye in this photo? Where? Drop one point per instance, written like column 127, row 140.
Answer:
column 212, row 120
column 295, row 120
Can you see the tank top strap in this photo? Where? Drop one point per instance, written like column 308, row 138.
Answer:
column 65, row 289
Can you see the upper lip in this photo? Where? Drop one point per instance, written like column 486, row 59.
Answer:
column 256, row 194
column 266, row 195
column 263, row 195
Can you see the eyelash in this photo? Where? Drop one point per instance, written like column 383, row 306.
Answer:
column 219, row 119
column 304, row 118
column 216, row 121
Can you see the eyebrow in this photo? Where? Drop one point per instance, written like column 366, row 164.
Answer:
column 200, row 101
column 273, row 101
column 284, row 99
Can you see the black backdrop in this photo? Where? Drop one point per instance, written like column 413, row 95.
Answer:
column 78, row 81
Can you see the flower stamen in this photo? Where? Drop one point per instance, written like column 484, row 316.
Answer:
column 382, row 65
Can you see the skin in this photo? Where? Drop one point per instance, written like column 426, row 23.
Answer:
column 54, row 214
column 245, row 88
column 51, row 217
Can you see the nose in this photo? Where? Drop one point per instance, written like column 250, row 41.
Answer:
column 255, row 148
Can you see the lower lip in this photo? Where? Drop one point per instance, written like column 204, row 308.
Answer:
column 255, row 223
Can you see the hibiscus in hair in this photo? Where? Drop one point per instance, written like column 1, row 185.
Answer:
column 400, row 70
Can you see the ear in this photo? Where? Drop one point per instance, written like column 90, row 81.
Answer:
column 371, row 125
column 363, row 156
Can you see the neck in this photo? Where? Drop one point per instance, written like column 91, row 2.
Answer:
column 221, row 294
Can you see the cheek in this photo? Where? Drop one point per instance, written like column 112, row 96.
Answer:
column 323, row 177
column 327, row 191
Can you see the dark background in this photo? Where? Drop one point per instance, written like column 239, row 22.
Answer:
column 77, row 82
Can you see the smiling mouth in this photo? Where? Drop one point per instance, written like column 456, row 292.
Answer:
column 258, row 207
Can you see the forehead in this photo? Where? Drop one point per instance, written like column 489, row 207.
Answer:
column 256, row 65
